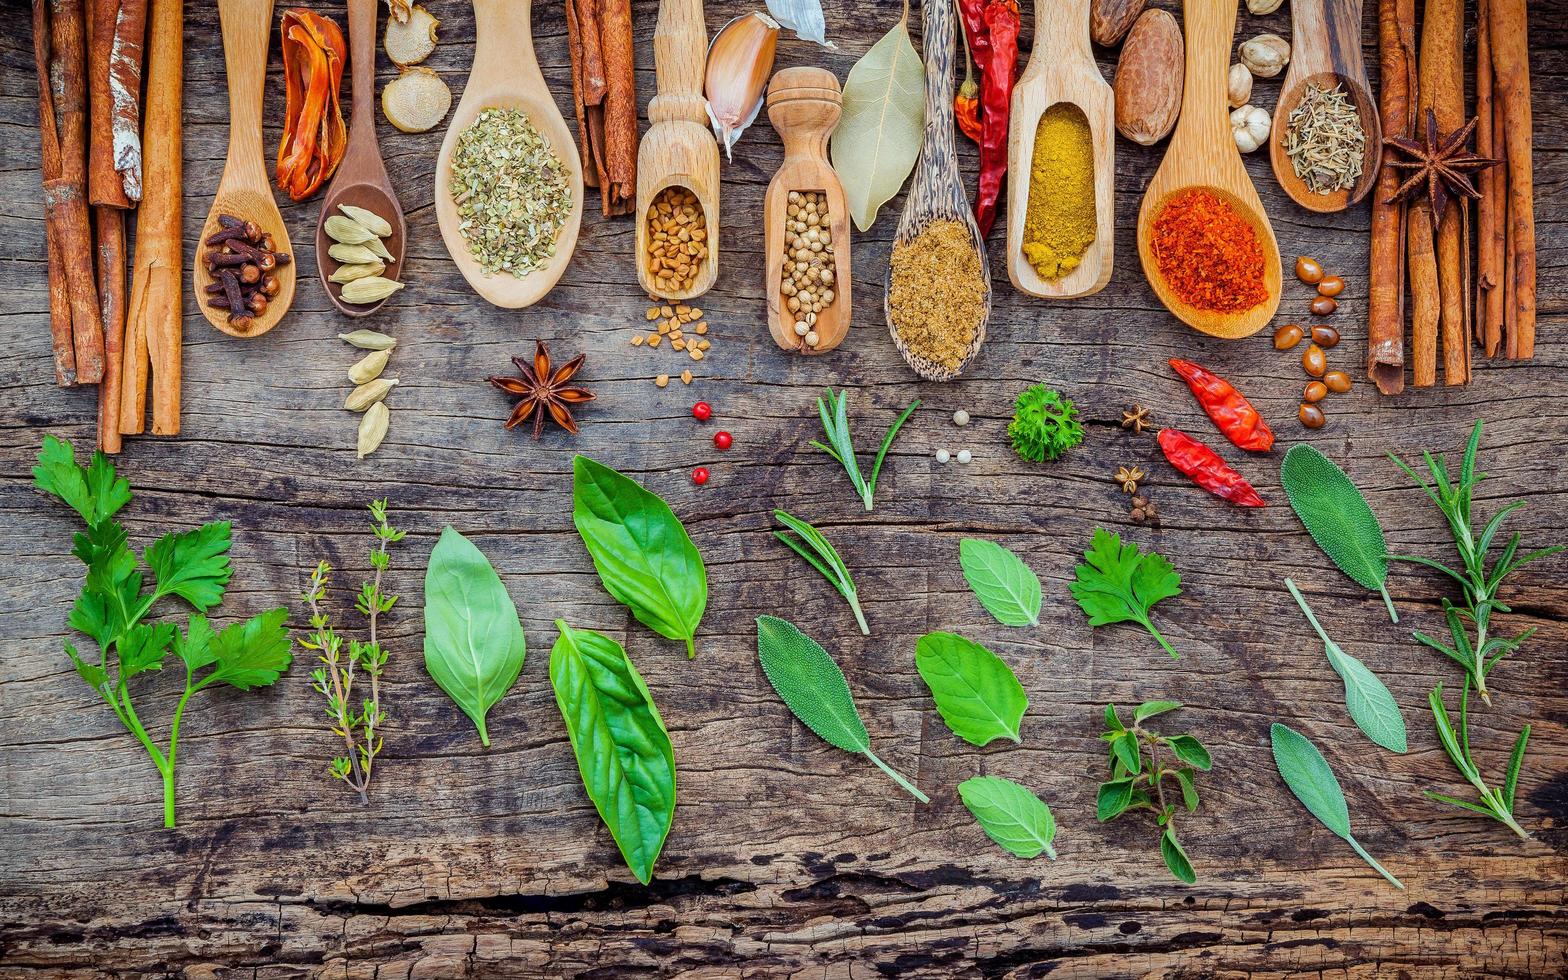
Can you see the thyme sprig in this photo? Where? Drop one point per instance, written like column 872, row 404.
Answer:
column 358, row 726
column 1495, row 803
column 1479, row 584
column 823, row 557
column 835, row 427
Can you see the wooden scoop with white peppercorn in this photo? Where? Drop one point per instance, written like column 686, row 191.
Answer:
column 806, row 234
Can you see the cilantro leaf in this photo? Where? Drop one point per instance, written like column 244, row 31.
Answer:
column 193, row 565
column 95, row 493
column 1120, row 584
column 252, row 653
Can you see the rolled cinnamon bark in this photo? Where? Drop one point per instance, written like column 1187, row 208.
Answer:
column 125, row 88
column 1442, row 91
column 110, row 222
column 49, row 165
column 104, row 186
column 1386, row 301
column 1511, row 88
column 619, row 182
column 1486, row 209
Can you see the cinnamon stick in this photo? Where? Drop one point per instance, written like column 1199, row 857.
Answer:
column 1495, row 182
column 110, row 222
column 619, row 188
column 574, row 50
column 1421, row 259
column 1511, row 88
column 59, row 290
column 1386, row 302
column 125, row 88
column 1486, row 208
column 104, row 186
column 1442, row 90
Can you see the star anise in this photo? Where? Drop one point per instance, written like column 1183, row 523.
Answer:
column 1440, row 165
column 1136, row 418
column 542, row 390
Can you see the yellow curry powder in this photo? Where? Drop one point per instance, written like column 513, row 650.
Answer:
column 1060, row 225
column 936, row 298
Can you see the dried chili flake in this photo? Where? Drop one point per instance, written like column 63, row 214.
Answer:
column 1208, row 254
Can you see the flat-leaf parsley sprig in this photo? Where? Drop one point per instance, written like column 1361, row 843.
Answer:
column 1120, row 584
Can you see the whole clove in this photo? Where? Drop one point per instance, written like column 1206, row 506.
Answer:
column 241, row 257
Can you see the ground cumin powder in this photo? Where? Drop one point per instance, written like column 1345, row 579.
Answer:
column 937, row 297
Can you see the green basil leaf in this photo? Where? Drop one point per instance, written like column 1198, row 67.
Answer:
column 641, row 551
column 1007, row 587
column 1190, row 751
column 1114, row 797
column 1309, row 777
column 976, row 693
column 623, row 750
column 1338, row 517
column 1176, row 858
column 474, row 646
column 1011, row 815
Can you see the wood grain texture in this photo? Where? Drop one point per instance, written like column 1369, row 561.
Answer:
column 788, row 858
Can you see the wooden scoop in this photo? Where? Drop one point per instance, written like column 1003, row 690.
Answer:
column 679, row 149
column 506, row 75
column 1326, row 51
column 937, row 192
column 244, row 190
column 361, row 180
column 804, row 105
column 1203, row 154
column 1061, row 70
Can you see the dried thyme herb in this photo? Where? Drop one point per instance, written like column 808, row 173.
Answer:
column 511, row 192
column 1325, row 140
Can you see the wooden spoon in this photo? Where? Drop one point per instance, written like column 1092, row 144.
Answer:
column 679, row 149
column 244, row 190
column 506, row 75
column 804, row 104
column 937, row 191
column 1203, row 154
column 1326, row 51
column 361, row 180
column 1061, row 70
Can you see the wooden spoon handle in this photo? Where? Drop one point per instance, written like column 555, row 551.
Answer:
column 503, row 47
column 1209, row 27
column 1326, row 36
column 938, row 155
column 362, row 65
column 1061, row 28
column 247, row 30
column 680, row 52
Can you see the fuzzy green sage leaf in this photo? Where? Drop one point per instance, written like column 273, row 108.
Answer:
column 1011, row 815
column 1005, row 586
column 1309, row 777
column 1338, row 517
column 1367, row 698
column 976, row 693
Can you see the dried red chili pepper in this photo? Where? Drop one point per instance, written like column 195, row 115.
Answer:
column 1204, row 467
column 1208, row 254
column 1231, row 412
column 966, row 104
column 996, row 96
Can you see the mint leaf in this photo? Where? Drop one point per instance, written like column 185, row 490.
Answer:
column 976, row 693
column 1011, row 815
column 252, row 653
column 193, row 565
column 1005, row 586
column 1120, row 584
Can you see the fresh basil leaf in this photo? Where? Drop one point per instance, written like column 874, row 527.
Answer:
column 623, row 750
column 1113, row 797
column 1011, row 815
column 1190, row 751
column 1176, row 858
column 814, row 688
column 474, row 645
column 253, row 653
column 639, row 548
column 1309, row 777
column 193, row 565
column 1149, row 709
column 976, row 693
column 1368, row 700
column 1338, row 517
column 1007, row 587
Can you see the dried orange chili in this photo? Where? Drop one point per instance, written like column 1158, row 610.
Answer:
column 1208, row 254
column 314, row 135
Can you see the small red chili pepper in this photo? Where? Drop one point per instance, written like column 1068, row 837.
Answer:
column 722, row 440
column 997, row 74
column 1204, row 467
column 1226, row 406
column 699, row 475
column 702, row 411
column 966, row 104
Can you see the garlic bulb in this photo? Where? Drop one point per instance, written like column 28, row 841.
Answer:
column 1265, row 55
column 740, row 61
column 1249, row 126
column 1238, row 85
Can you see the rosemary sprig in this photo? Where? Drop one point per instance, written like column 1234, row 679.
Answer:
column 359, row 727
column 1495, row 803
column 835, row 426
column 824, row 558
column 1479, row 586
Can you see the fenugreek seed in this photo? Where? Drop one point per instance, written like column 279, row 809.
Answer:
column 348, row 273
column 369, row 367
column 696, row 355
column 682, row 310
column 653, row 339
column 665, row 311
column 664, row 326
column 678, row 344
column 686, row 377
column 369, row 394
column 371, row 289
column 703, row 345
column 373, row 428
column 653, row 313
column 662, row 380
column 701, row 328
column 637, row 340
column 349, row 232
column 369, row 220
column 368, row 340
column 352, row 254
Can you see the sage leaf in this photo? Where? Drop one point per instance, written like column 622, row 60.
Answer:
column 1368, row 700
column 1309, row 777
column 474, row 644
column 639, row 548
column 1011, row 815
column 1176, row 858
column 623, row 750
column 976, row 693
column 878, row 137
column 1005, row 586
column 1338, row 517
column 815, row 690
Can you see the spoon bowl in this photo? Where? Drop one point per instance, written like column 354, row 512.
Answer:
column 361, row 179
column 244, row 190
column 506, row 75
column 1203, row 154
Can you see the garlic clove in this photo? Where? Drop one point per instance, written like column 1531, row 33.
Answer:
column 1238, row 85
column 1249, row 126
column 740, row 61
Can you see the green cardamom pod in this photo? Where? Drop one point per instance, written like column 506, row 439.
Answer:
column 369, row 394
column 369, row 220
column 351, row 254
column 348, row 273
column 348, row 231
column 371, row 289
column 379, row 250
column 369, row 367
column 368, row 340
column 373, row 428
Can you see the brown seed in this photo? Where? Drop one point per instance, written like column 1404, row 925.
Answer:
column 1337, row 381
column 1314, row 361
column 1324, row 305
column 1287, row 337
column 1311, row 416
column 1315, row 391
column 662, row 380
column 1325, row 336
column 1309, row 270
column 1331, row 286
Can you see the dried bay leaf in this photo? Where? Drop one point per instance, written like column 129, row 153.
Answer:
column 877, row 140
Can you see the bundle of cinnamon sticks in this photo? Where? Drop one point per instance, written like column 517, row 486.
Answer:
column 604, row 91
column 89, row 59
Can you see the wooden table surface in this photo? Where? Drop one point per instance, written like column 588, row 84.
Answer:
column 787, row 858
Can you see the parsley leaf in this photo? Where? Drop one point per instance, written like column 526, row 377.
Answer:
column 193, row 565
column 94, row 493
column 252, row 653
column 1120, row 584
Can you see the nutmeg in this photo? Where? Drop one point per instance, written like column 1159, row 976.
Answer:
column 1109, row 20
column 1149, row 78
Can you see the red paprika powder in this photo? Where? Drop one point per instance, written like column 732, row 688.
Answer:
column 1208, row 254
